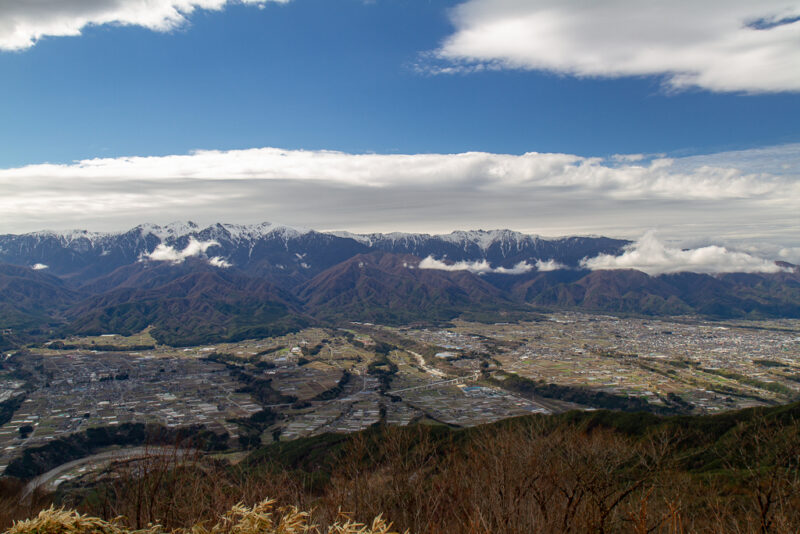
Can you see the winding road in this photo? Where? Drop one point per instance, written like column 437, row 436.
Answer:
column 46, row 479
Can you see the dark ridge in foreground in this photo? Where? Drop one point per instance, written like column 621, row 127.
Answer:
column 575, row 472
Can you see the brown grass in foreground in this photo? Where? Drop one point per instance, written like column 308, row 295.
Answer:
column 517, row 478
column 262, row 518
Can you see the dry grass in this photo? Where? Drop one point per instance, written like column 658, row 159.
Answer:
column 509, row 479
column 60, row 521
column 263, row 518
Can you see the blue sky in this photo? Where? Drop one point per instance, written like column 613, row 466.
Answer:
column 322, row 74
column 404, row 77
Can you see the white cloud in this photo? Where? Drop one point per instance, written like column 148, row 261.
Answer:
column 735, row 45
column 477, row 267
column 194, row 248
column 549, row 265
column 790, row 254
column 478, row 170
column 653, row 257
column 520, row 268
column 24, row 22
column 39, row 266
column 219, row 261
column 751, row 194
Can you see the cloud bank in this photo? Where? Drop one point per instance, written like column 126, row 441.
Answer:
column 24, row 22
column 194, row 248
column 477, row 267
column 736, row 45
column 747, row 195
column 653, row 257
column 643, row 178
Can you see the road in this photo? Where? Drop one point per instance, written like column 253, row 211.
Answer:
column 433, row 385
column 46, row 479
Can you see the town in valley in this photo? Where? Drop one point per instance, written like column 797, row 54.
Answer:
column 344, row 379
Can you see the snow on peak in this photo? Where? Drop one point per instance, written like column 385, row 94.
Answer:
column 224, row 231
column 239, row 232
column 485, row 238
column 76, row 240
column 364, row 239
column 405, row 238
column 394, row 237
column 169, row 231
column 482, row 238
column 68, row 236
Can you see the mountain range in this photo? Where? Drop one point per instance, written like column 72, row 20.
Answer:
column 224, row 281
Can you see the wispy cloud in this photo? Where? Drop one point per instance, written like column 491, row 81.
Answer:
column 653, row 257
column 736, row 45
column 24, row 22
column 477, row 267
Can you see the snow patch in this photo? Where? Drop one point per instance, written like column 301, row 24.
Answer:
column 223, row 231
column 484, row 238
column 364, row 239
column 69, row 237
column 245, row 232
column 170, row 231
column 39, row 266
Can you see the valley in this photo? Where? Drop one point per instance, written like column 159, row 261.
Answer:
column 384, row 267
column 231, row 339
column 344, row 379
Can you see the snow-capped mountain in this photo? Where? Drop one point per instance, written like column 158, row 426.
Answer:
column 226, row 281
column 283, row 250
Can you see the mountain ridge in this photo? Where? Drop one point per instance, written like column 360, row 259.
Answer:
column 280, row 250
column 196, row 284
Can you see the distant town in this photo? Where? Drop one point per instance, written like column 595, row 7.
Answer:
column 344, row 379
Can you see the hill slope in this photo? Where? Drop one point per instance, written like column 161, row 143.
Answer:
column 390, row 288
column 226, row 281
column 190, row 308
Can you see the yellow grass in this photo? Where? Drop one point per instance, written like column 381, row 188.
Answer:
column 262, row 518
